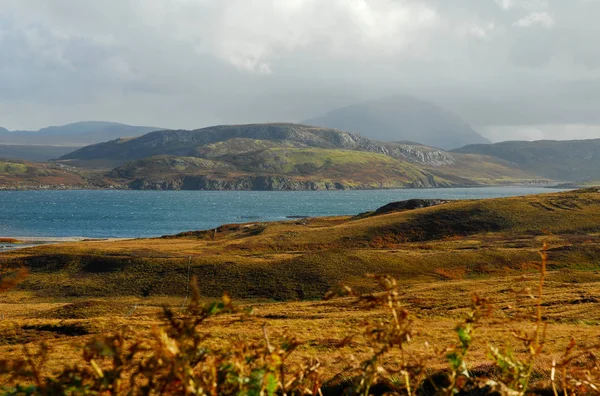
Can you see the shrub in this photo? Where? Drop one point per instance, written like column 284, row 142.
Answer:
column 180, row 358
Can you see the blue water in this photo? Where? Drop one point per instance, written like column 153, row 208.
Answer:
column 128, row 214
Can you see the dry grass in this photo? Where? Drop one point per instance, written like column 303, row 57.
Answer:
column 75, row 292
column 570, row 310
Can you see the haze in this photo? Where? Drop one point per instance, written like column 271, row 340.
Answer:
column 514, row 69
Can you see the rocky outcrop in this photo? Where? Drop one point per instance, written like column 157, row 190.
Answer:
column 422, row 155
column 266, row 183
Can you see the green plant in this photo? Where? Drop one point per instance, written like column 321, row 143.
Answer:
column 384, row 336
column 179, row 359
column 516, row 371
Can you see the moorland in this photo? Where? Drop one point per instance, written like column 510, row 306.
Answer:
column 441, row 253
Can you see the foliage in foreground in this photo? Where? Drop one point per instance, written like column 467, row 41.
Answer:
column 181, row 359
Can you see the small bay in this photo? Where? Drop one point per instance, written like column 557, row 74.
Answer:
column 133, row 214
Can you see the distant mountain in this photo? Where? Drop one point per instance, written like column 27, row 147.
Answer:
column 402, row 118
column 77, row 134
column 570, row 160
column 33, row 153
column 285, row 157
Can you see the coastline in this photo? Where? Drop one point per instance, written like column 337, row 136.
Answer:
column 525, row 184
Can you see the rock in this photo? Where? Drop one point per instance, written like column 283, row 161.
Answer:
column 410, row 204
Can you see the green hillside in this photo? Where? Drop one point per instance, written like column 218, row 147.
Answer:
column 290, row 157
column 15, row 174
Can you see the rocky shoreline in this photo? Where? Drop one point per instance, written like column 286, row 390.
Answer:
column 266, row 183
column 285, row 186
column 279, row 183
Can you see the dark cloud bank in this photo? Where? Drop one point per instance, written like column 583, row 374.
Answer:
column 514, row 69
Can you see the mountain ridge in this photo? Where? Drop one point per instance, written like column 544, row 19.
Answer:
column 562, row 160
column 36, row 153
column 74, row 134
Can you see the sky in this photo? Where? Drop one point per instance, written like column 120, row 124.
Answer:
column 513, row 69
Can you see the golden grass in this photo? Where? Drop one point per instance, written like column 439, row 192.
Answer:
column 570, row 310
column 76, row 291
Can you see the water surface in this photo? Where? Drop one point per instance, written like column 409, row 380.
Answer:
column 130, row 214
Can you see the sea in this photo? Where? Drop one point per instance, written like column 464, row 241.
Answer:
column 135, row 214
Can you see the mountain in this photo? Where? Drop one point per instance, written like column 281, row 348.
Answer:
column 402, row 118
column 571, row 160
column 76, row 134
column 286, row 157
column 33, row 153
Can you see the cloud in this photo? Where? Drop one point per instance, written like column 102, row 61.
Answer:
column 191, row 63
column 536, row 18
column 499, row 133
column 505, row 4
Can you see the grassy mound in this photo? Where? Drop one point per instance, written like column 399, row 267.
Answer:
column 84, row 310
column 36, row 332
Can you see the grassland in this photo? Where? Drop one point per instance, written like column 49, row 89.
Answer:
column 234, row 162
column 17, row 174
column 12, row 168
column 441, row 255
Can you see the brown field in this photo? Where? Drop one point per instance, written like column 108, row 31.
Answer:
column 441, row 256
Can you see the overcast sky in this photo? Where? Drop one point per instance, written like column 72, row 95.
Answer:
column 514, row 69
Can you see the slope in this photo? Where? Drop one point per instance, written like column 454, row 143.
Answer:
column 276, row 169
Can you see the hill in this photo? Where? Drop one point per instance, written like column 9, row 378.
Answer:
column 286, row 156
column 402, row 118
column 571, row 160
column 276, row 169
column 17, row 174
column 305, row 258
column 76, row 134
